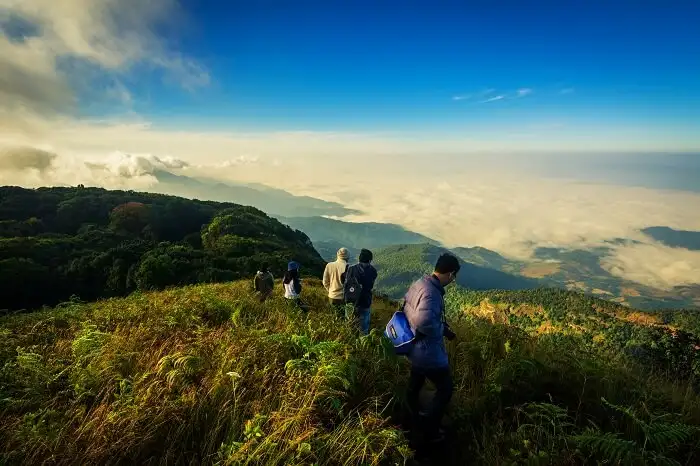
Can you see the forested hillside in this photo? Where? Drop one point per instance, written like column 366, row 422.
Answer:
column 399, row 266
column 56, row 243
column 329, row 235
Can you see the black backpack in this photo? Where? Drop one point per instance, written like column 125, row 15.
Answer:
column 352, row 290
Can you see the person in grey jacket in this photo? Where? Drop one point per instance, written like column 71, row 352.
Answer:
column 425, row 310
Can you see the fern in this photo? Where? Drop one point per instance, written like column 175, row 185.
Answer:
column 661, row 436
column 609, row 446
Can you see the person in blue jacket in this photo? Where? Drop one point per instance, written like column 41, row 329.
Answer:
column 365, row 274
column 425, row 311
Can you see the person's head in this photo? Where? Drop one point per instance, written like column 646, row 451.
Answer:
column 342, row 254
column 292, row 272
column 265, row 267
column 365, row 256
column 446, row 269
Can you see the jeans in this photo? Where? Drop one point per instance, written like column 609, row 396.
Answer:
column 361, row 317
column 442, row 379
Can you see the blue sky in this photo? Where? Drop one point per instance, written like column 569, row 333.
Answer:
column 432, row 67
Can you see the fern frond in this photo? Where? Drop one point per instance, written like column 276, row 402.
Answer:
column 629, row 412
column 664, row 436
column 608, row 445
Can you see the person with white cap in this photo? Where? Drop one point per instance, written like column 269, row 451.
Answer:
column 333, row 280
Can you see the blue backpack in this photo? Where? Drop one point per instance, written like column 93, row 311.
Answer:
column 399, row 332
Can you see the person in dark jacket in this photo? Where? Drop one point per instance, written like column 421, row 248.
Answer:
column 365, row 274
column 425, row 310
column 264, row 282
column 292, row 285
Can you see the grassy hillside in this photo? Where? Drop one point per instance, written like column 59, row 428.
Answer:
column 92, row 243
column 399, row 266
column 208, row 375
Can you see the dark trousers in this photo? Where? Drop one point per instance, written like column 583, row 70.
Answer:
column 442, row 379
column 339, row 306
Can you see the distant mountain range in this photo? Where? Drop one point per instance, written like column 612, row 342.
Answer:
column 575, row 269
column 329, row 235
column 399, row 253
column 675, row 238
column 272, row 201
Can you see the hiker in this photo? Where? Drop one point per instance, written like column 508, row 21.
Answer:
column 292, row 285
column 264, row 282
column 359, row 282
column 425, row 311
column 332, row 280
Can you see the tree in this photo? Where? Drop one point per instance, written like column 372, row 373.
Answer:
column 131, row 218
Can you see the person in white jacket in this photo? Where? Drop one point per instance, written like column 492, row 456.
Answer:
column 333, row 278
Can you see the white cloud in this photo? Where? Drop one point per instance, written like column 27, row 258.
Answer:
column 244, row 159
column 493, row 99
column 125, row 165
column 71, row 45
column 524, row 91
column 461, row 97
column 655, row 265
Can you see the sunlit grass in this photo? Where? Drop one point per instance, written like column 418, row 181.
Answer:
column 208, row 375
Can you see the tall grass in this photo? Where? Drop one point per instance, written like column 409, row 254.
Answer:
column 208, row 375
column 204, row 374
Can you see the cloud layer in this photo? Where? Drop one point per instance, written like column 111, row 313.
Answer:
column 55, row 53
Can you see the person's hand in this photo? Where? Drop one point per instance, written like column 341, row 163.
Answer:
column 448, row 333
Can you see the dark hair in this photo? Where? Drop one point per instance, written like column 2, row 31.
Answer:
column 366, row 256
column 290, row 275
column 447, row 263
column 264, row 267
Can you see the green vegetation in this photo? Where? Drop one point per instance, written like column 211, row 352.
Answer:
column 91, row 243
column 399, row 266
column 208, row 375
column 329, row 235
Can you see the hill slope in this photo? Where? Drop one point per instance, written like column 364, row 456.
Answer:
column 90, row 242
column 329, row 235
column 271, row 200
column 175, row 377
column 399, row 266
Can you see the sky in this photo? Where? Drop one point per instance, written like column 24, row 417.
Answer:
column 461, row 68
column 507, row 124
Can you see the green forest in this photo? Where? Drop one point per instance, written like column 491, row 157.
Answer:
column 58, row 244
